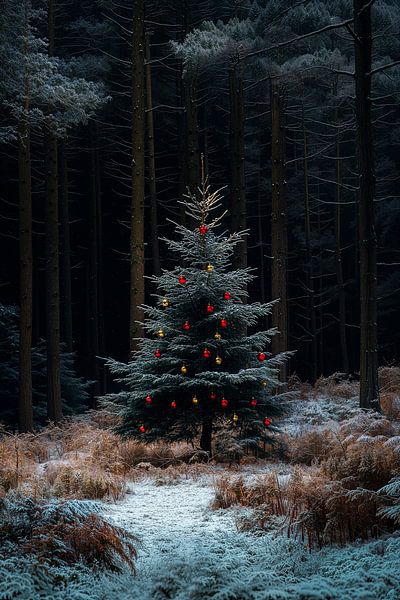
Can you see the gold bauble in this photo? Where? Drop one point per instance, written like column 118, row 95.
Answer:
column 218, row 336
column 235, row 418
column 165, row 302
column 183, row 370
column 195, row 400
column 209, row 268
column 218, row 360
column 161, row 333
column 264, row 384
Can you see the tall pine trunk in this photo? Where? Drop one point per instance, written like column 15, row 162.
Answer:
column 25, row 416
column 138, row 177
column 155, row 247
column 65, row 272
column 279, row 243
column 238, row 206
column 93, row 295
column 311, row 310
column 339, row 266
column 54, row 410
column 54, row 406
column 192, row 151
column 369, row 388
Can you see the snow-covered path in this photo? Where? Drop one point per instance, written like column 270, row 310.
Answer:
column 188, row 552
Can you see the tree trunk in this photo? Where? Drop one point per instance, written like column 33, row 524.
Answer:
column 309, row 263
column 100, row 268
column 320, row 329
column 192, row 151
column 155, row 247
column 279, row 243
column 237, row 162
column 54, row 405
column 25, row 416
column 65, row 283
column 206, row 433
column 93, row 296
column 369, row 388
column 339, row 268
column 54, row 409
column 137, row 206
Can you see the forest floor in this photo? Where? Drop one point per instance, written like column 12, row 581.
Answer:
column 306, row 524
column 189, row 552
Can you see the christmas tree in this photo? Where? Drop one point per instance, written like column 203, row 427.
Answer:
column 198, row 368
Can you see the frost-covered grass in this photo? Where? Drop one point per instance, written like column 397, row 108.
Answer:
column 187, row 552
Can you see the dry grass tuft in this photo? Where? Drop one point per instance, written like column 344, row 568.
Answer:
column 92, row 541
column 390, row 403
column 389, row 379
column 310, row 506
column 337, row 385
column 92, row 483
column 64, row 532
column 310, row 447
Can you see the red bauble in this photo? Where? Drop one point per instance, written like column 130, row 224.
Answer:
column 267, row 421
column 157, row 353
column 203, row 229
column 224, row 402
column 186, row 326
column 213, row 396
column 142, row 429
column 262, row 356
column 210, row 308
column 173, row 404
column 224, row 323
column 149, row 399
column 253, row 402
column 182, row 280
column 206, row 353
column 227, row 295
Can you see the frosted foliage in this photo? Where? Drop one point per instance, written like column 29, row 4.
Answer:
column 215, row 41
column 43, row 90
column 391, row 492
column 191, row 553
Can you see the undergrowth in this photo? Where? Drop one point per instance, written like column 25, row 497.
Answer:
column 63, row 532
column 82, row 459
column 348, row 489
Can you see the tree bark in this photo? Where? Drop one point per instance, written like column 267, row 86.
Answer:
column 25, row 414
column 155, row 247
column 65, row 283
column 206, row 433
column 339, row 268
column 54, row 408
column 192, row 151
column 93, row 296
column 369, row 388
column 238, row 208
column 138, row 176
column 279, row 243
column 309, row 264
column 54, row 404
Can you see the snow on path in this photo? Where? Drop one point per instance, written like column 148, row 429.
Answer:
column 188, row 552
column 165, row 516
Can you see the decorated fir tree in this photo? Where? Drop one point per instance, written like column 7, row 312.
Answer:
column 202, row 364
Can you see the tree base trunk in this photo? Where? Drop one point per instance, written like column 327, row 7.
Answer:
column 206, row 434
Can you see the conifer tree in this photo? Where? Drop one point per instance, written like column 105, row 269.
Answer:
column 197, row 366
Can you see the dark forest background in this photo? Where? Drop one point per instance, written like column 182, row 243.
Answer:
column 219, row 80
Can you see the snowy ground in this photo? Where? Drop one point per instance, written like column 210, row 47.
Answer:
column 188, row 552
